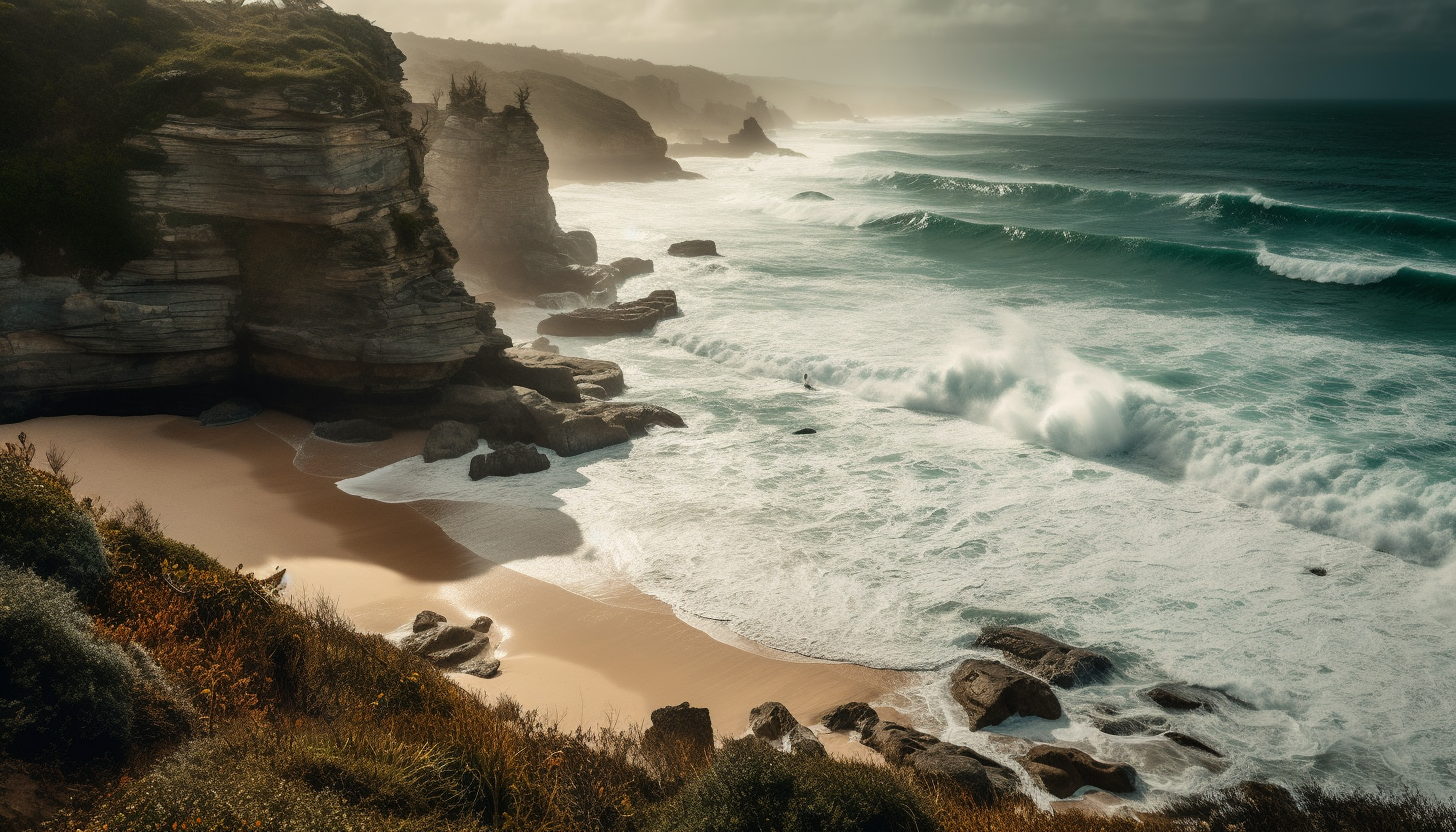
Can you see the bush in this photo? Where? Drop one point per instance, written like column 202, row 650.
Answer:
column 752, row 787
column 43, row 530
column 64, row 693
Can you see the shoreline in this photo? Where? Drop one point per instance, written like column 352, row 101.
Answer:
column 235, row 493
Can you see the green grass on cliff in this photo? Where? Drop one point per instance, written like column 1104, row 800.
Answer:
column 78, row 77
column 184, row 695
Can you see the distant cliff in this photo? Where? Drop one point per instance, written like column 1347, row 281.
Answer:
column 674, row 99
column 293, row 253
column 589, row 135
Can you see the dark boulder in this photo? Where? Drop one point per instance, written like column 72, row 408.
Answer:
column 851, row 716
column 772, row 723
column 1131, row 725
column 543, row 344
column 1189, row 742
column 617, row 319
column 679, row 731
column 230, row 412
column 942, row 761
column 1318, row 571
column 812, row 196
column 991, row 693
column 437, row 637
column 508, row 461
column 450, row 439
column 1057, row 662
column 353, row 431
column 580, row 246
column 693, row 248
column 1062, row 771
column 427, row 619
column 1175, row 696
column 485, row 666
column 632, row 267
column 895, row 741
column 482, row 624
column 805, row 432
column 927, row 755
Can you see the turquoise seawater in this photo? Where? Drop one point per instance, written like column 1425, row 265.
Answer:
column 1119, row 372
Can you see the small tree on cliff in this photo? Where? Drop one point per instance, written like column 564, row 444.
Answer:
column 523, row 97
column 468, row 99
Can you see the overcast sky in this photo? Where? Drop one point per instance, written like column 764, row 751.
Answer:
column 1057, row 48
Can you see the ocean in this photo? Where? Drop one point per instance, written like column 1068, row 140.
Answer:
column 1123, row 373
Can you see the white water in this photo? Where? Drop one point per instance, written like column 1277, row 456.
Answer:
column 961, row 477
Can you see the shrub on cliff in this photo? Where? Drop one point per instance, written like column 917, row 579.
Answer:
column 64, row 693
column 752, row 786
column 43, row 530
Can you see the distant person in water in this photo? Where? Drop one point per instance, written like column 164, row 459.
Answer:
column 807, row 385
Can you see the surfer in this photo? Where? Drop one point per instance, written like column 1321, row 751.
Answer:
column 807, row 385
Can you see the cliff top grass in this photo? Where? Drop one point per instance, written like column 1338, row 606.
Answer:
column 81, row 76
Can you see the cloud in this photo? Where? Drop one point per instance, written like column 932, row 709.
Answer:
column 924, row 38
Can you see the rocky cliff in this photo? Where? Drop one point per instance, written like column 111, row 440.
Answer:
column 488, row 171
column 295, row 256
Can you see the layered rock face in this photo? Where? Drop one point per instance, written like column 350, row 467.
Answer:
column 295, row 254
column 489, row 176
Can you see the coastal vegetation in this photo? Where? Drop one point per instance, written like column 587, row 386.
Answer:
column 164, row 688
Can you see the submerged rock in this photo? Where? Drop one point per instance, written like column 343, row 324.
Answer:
column 1057, row 662
column 353, row 431
column 694, row 248
column 450, row 439
column 1176, row 696
column 1062, row 771
column 508, row 461
column 1318, row 571
column 1131, row 725
column 805, row 432
column 1189, row 742
column 991, row 693
column 812, row 196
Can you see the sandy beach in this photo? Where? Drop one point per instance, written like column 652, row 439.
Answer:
column 235, row 493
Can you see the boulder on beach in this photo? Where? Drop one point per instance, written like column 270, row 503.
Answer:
column 926, row 754
column 508, row 461
column 851, row 716
column 1055, row 661
column 1062, row 771
column 694, row 248
column 680, row 731
column 426, row 620
column 452, row 647
column 450, row 439
column 482, row 624
column 772, row 723
column 617, row 319
column 230, row 412
column 991, row 693
column 353, row 431
column 811, row 196
column 632, row 266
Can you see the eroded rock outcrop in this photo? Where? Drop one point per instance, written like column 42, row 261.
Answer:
column 927, row 755
column 772, row 723
column 992, row 693
column 509, row 460
column 452, row 647
column 679, row 732
column 295, row 254
column 617, row 319
column 746, row 142
column 1043, row 656
column 1062, row 771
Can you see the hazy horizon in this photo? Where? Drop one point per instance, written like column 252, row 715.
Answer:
column 1029, row 49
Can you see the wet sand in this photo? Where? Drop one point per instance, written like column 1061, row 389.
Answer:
column 235, row 493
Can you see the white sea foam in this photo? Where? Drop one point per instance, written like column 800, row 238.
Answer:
column 1327, row 271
